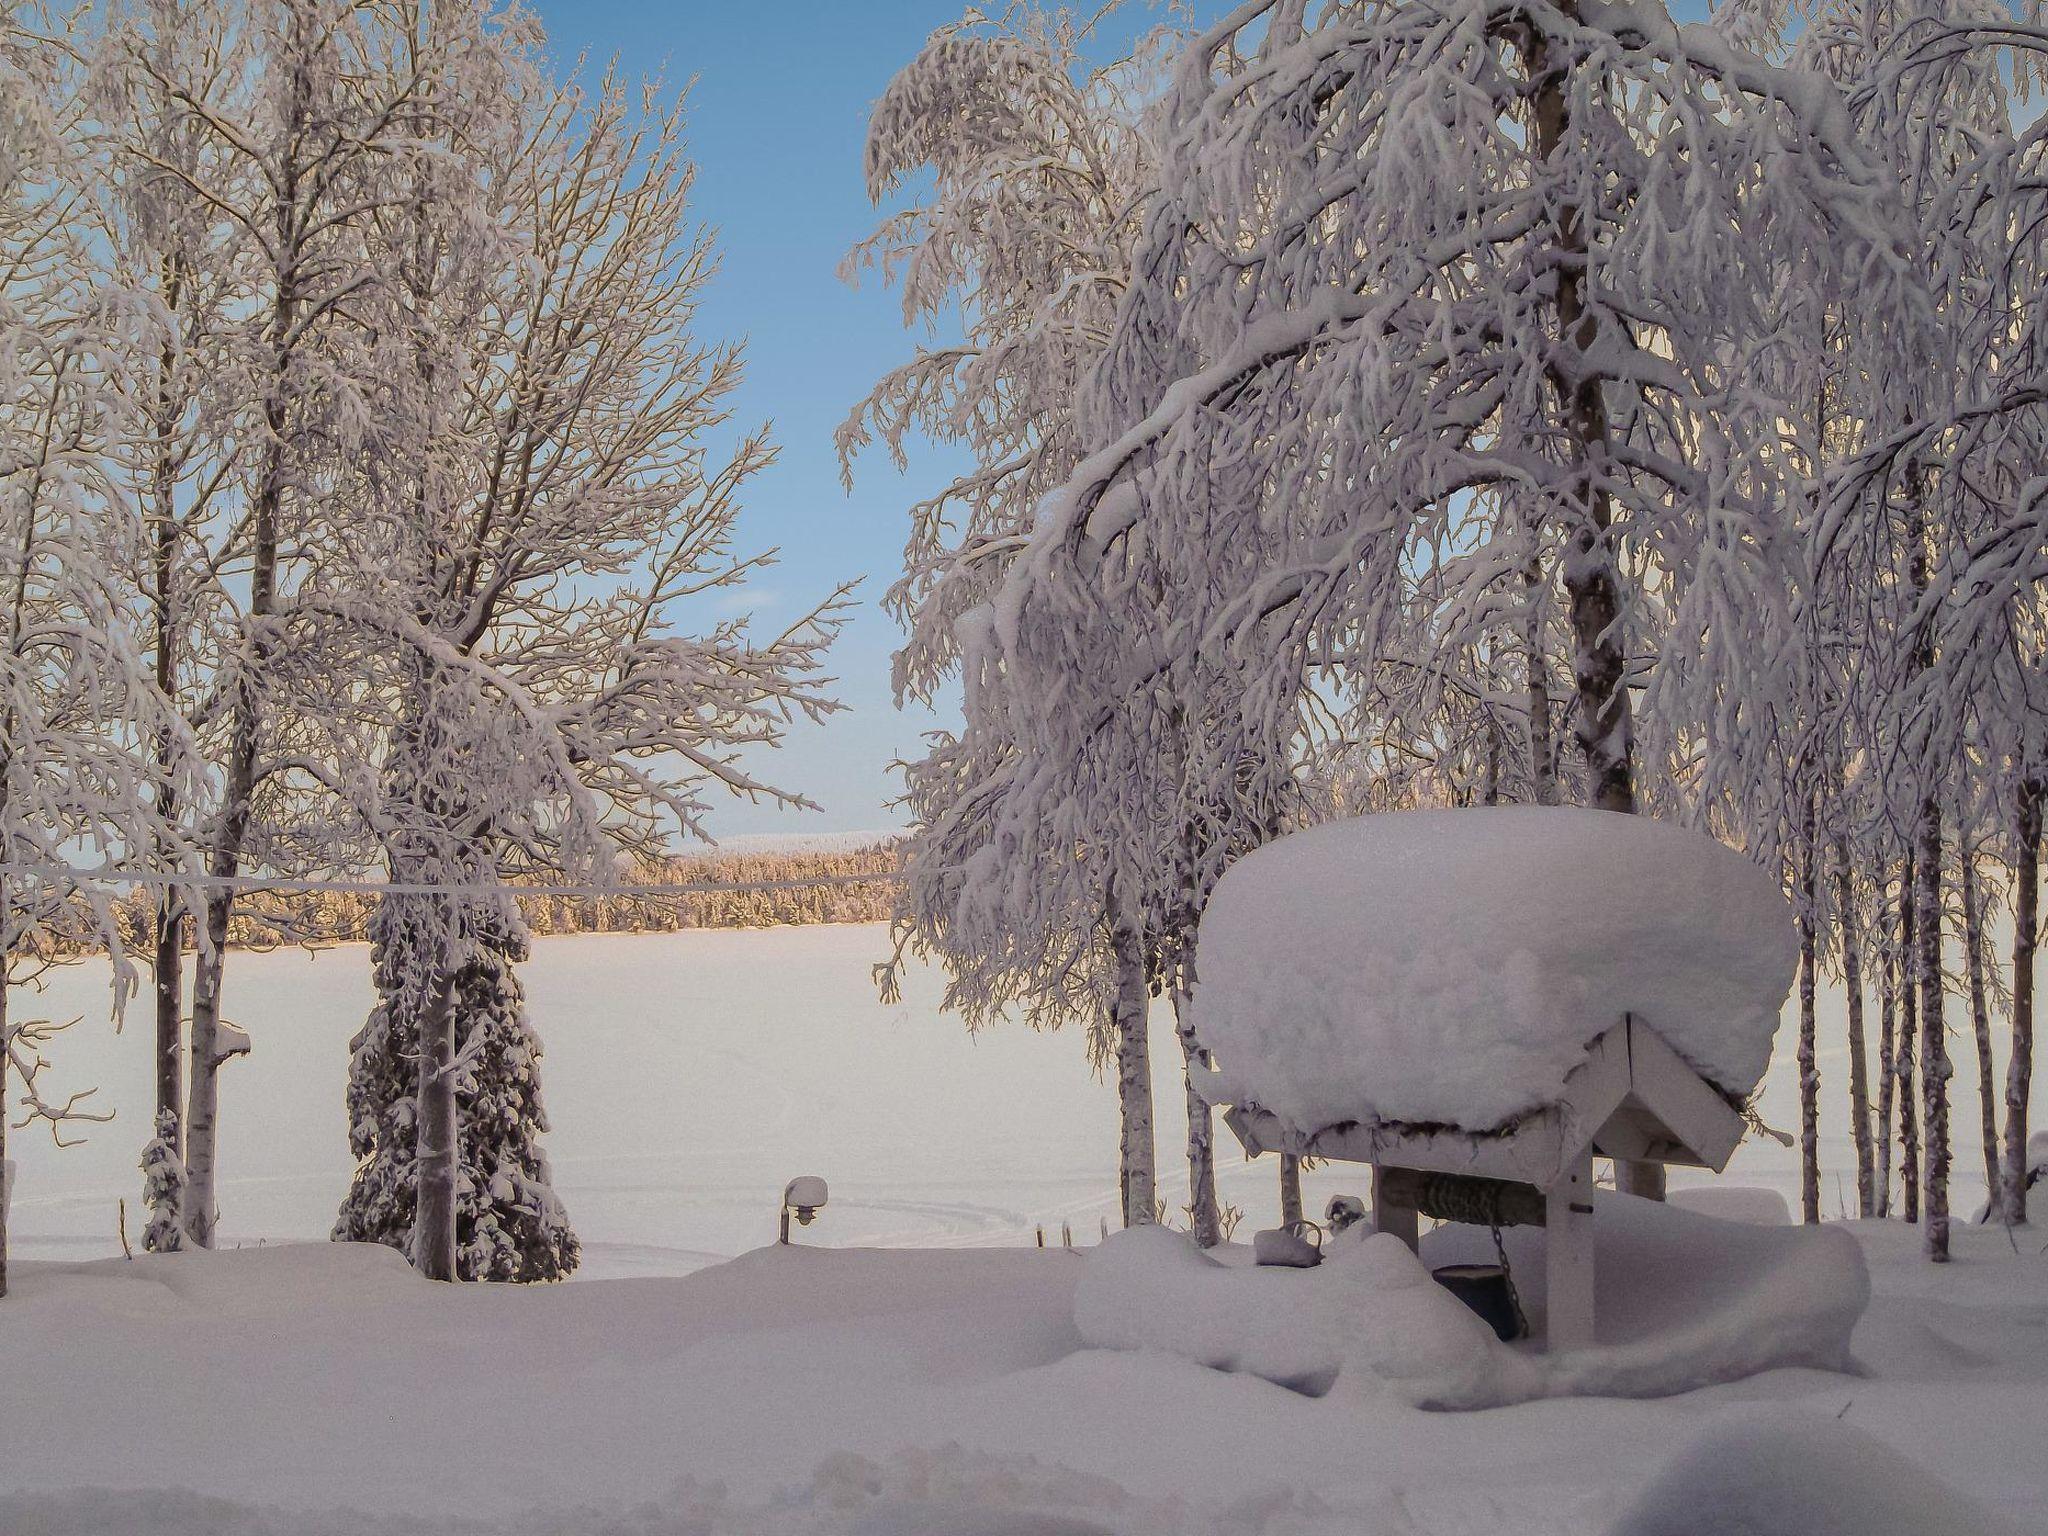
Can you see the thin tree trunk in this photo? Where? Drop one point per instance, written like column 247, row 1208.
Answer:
column 1887, row 1068
column 1809, row 1069
column 6, row 1183
column 433, row 1231
column 1980, row 1024
column 1909, row 1023
column 1290, row 1189
column 167, row 969
column 1605, row 726
column 1542, row 748
column 1140, row 1184
column 167, row 959
column 1859, row 1062
column 1203, row 1214
column 2026, row 928
column 1934, row 1064
column 203, row 1096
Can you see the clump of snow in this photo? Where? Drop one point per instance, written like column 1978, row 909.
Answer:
column 1682, row 1301
column 1798, row 1474
column 1450, row 967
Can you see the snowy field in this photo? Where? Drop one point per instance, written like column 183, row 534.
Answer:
column 310, row 1389
column 689, row 1076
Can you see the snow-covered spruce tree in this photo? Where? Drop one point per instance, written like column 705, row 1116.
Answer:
column 77, row 783
column 1460, row 276
column 532, row 456
column 1039, row 166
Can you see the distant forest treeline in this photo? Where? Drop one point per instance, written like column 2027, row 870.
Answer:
column 266, row 919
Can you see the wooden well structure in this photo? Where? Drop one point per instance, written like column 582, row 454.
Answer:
column 1633, row 1099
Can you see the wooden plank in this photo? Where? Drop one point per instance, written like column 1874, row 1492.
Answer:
column 1568, row 1257
column 1389, row 1215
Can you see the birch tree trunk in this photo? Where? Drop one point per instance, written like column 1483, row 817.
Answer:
column 245, row 719
column 1139, row 1178
column 224, row 861
column 1859, row 1060
column 1887, row 1079
column 1542, row 748
column 2026, row 927
column 1290, row 1189
column 1909, row 1024
column 167, row 956
column 1934, row 1064
column 6, row 1183
column 1605, row 726
column 433, row 1233
column 1980, row 1025
column 1605, row 719
column 1809, row 1070
column 1203, row 1213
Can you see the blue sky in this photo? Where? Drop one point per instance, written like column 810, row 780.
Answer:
column 777, row 112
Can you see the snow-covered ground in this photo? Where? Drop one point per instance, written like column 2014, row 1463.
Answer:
column 866, row 1393
column 690, row 1075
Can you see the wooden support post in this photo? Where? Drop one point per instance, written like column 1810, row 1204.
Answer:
column 1568, row 1257
column 1388, row 1216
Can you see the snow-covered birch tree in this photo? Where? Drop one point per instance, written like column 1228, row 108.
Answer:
column 1466, row 277
column 289, row 126
column 78, row 780
column 1016, row 876
column 184, row 462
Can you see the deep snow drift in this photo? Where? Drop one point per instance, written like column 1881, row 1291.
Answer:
column 863, row 1393
column 1793, row 1473
column 1684, row 1301
column 1449, row 967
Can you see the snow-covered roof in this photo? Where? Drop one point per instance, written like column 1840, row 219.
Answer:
column 1451, row 968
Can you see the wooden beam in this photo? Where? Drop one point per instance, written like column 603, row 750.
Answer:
column 1389, row 1214
column 1460, row 1197
column 1568, row 1257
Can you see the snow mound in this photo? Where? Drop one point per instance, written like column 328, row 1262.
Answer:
column 1795, row 1474
column 1752, row 1203
column 1450, row 967
column 1682, row 1301
column 1369, row 1314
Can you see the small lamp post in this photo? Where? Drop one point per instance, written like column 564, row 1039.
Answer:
column 804, row 1197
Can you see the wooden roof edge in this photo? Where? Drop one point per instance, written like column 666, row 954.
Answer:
column 1629, row 1072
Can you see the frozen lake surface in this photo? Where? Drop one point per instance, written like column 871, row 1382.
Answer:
column 690, row 1075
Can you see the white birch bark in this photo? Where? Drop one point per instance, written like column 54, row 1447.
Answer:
column 1136, row 1150
column 1203, row 1213
column 2019, row 1072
